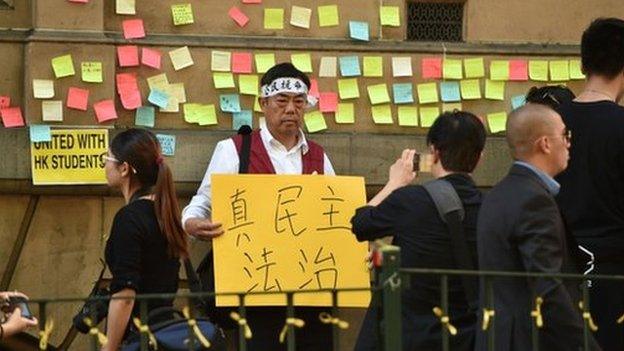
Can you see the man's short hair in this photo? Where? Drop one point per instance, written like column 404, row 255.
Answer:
column 284, row 70
column 602, row 47
column 550, row 95
column 459, row 138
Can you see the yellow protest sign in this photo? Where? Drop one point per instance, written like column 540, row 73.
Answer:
column 288, row 233
column 71, row 157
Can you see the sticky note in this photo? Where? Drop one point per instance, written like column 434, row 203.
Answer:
column 229, row 103
column 389, row 16
column 559, row 70
column 328, row 102
column 158, row 81
column 128, row 55
column 77, row 98
column 173, row 105
column 408, row 116
column 191, row 112
column 373, row 66
column 243, row 118
column 575, row 70
column 241, row 62
column 40, row 133
column 449, row 91
column 273, row 18
column 359, row 30
column 328, row 16
column 470, row 89
column 345, row 113
column 350, row 66
column 402, row 66
column 52, row 110
column 151, row 58
column 223, row 80
column 238, row 16
column 158, row 98
column 402, row 93
column 474, row 67
column 499, row 70
column 264, row 62
column 105, row 110
column 450, row 107
column 125, row 7
column 303, row 62
column 452, row 69
column 181, row 58
column 427, row 92
column 431, row 67
column 221, row 61
column 494, row 89
column 257, row 107
column 5, row 101
column 248, row 84
column 145, row 116
column 378, row 94
column 314, row 121
column 314, row 90
column 300, row 16
column 63, row 66
column 133, row 28
column 382, row 114
column 518, row 70
column 328, row 66
column 182, row 14
column 207, row 115
column 348, row 88
column 131, row 99
column 538, row 70
column 252, row 1
column 43, row 88
column 517, row 101
column 12, row 117
column 497, row 121
column 167, row 144
column 428, row 115
column 91, row 72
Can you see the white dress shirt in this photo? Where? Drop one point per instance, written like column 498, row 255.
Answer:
column 225, row 161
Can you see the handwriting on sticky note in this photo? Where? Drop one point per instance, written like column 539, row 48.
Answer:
column 43, row 88
column 452, row 69
column 328, row 66
column 167, row 144
column 559, row 70
column 145, row 116
column 63, row 66
column 52, row 111
column 223, row 80
column 91, row 72
column 427, row 93
column 133, row 29
column 315, row 121
column 373, row 66
column 378, row 94
column 182, row 14
column 402, row 93
column 230, row 103
column 300, row 16
column 243, row 118
column 105, row 110
column 238, row 16
column 221, row 61
column 382, row 114
column 77, row 98
column 128, row 55
column 359, row 30
column 151, row 57
column 449, row 91
column 538, row 70
column 499, row 70
column 158, row 98
column 470, row 89
column 12, row 117
column 474, row 67
column 431, row 67
column 350, row 66
column 181, row 58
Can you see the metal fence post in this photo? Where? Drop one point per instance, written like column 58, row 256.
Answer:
column 390, row 282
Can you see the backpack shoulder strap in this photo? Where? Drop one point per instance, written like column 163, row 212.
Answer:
column 243, row 166
column 445, row 198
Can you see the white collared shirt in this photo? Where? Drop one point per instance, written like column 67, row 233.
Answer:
column 225, row 161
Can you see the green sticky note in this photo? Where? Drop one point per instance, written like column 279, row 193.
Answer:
column 575, row 70
column 452, row 69
column 91, row 72
column 427, row 92
column 315, row 121
column 474, row 67
column 63, row 66
column 248, row 84
column 559, row 70
column 191, row 112
column 538, row 70
column 182, row 14
column 328, row 16
column 223, row 80
column 303, row 62
column 373, row 66
column 428, row 115
column 345, row 113
column 497, row 121
column 382, row 114
column 207, row 115
column 495, row 89
column 239, row 119
column 389, row 16
column 499, row 70
column 408, row 116
column 264, row 62
column 273, row 18
column 145, row 116
column 470, row 89
column 348, row 88
column 378, row 94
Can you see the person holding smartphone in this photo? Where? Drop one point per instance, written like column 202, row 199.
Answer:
column 17, row 319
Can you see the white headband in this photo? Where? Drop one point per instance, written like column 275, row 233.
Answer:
column 287, row 85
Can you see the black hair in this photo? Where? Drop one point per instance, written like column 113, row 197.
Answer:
column 459, row 138
column 602, row 47
column 550, row 95
column 284, row 70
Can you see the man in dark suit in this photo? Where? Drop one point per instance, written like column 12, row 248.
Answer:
column 520, row 229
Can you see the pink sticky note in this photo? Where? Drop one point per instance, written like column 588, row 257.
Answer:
column 5, row 101
column 432, row 67
column 252, row 1
column 131, row 99
column 105, row 110
column 328, row 102
column 126, row 82
column 133, row 28
column 128, row 55
column 79, row 1
column 314, row 89
column 241, row 62
column 12, row 117
column 518, row 70
column 77, row 98
column 151, row 57
column 238, row 16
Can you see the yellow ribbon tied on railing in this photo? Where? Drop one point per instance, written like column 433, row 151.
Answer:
column 95, row 332
column 537, row 312
column 296, row 322
column 588, row 318
column 327, row 318
column 445, row 320
column 195, row 328
column 621, row 319
column 144, row 329
column 243, row 323
column 487, row 316
column 44, row 335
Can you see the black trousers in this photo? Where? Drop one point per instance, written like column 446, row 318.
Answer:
column 606, row 301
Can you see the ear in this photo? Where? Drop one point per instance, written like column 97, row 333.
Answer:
column 264, row 102
column 125, row 169
column 435, row 154
column 544, row 146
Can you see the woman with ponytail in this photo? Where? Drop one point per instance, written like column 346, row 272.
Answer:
column 146, row 241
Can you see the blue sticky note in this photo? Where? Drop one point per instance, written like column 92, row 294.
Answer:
column 230, row 103
column 350, row 66
column 158, row 98
column 402, row 93
column 145, row 116
column 359, row 30
column 242, row 118
column 167, row 144
column 450, row 91
column 517, row 101
column 40, row 133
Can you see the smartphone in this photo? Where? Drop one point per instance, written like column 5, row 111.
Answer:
column 416, row 166
column 16, row 301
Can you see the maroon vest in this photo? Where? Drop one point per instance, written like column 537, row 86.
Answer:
column 260, row 162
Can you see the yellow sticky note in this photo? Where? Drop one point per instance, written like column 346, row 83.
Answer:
column 173, row 105
column 328, row 66
column 427, row 92
column 373, row 66
column 264, row 62
column 495, row 89
column 428, row 115
column 158, row 82
column 43, row 88
column 221, row 61
column 181, row 58
column 382, row 114
column 125, row 7
column 389, row 16
column 315, row 121
column 63, row 66
column 91, row 72
column 207, row 115
column 300, row 16
column 248, row 84
column 182, row 14
column 52, row 110
column 191, row 112
column 497, row 121
column 538, row 70
column 345, row 113
column 559, row 70
column 499, row 70
column 303, row 62
column 470, row 89
column 328, row 16
column 378, row 94
column 178, row 91
column 576, row 71
column 348, row 88
column 273, row 18
column 450, row 107
column 474, row 67
column 257, row 107
column 223, row 80
column 408, row 116
column 452, row 69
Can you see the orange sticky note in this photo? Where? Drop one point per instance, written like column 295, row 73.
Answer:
column 252, row 1
column 12, row 117
column 431, row 67
column 238, row 16
column 328, row 102
column 5, row 101
column 518, row 70
column 241, row 62
column 128, row 55
column 151, row 58
column 77, row 98
column 105, row 110
column 133, row 28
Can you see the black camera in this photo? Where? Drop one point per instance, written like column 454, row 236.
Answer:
column 21, row 302
column 95, row 310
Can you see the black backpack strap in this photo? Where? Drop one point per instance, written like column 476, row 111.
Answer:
column 452, row 212
column 245, row 132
